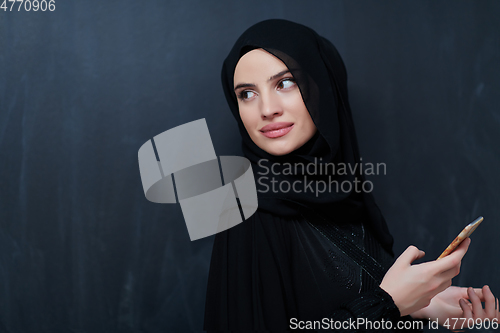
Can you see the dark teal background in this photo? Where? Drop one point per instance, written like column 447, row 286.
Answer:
column 83, row 87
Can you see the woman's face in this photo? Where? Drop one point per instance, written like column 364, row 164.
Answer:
column 270, row 103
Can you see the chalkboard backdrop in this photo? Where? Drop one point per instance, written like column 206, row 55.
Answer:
column 84, row 86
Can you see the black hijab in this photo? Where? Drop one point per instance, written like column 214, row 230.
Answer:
column 321, row 77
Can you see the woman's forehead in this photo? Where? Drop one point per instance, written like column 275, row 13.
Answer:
column 258, row 64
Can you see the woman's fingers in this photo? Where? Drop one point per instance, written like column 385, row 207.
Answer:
column 477, row 307
column 454, row 259
column 451, row 273
column 489, row 302
column 474, row 309
column 466, row 308
column 479, row 293
column 411, row 254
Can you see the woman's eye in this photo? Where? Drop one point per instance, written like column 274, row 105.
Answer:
column 286, row 83
column 246, row 94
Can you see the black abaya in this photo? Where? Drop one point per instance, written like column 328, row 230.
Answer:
column 301, row 255
column 268, row 270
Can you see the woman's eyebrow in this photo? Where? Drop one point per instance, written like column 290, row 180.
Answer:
column 244, row 85
column 275, row 76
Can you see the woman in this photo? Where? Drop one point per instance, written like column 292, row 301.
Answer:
column 318, row 246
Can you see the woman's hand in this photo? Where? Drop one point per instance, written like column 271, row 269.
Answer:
column 445, row 305
column 475, row 309
column 451, row 304
column 412, row 287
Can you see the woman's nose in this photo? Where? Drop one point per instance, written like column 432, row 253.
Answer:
column 270, row 107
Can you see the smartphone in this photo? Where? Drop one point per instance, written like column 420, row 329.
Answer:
column 468, row 230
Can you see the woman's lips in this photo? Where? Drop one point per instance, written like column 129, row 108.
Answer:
column 276, row 130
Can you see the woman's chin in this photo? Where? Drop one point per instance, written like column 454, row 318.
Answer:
column 278, row 149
